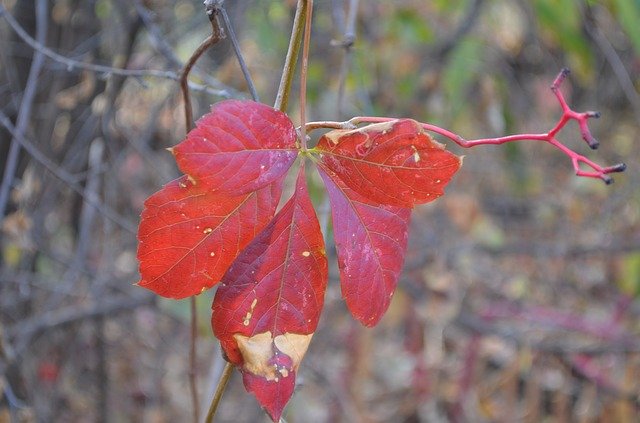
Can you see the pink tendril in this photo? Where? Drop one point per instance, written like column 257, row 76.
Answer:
column 549, row 137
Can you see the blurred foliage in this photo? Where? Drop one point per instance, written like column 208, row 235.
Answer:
column 562, row 21
column 628, row 14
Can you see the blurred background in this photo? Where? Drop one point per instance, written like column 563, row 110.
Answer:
column 519, row 298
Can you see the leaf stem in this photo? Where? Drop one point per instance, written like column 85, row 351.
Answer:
column 284, row 89
column 193, row 358
column 222, row 384
column 303, row 73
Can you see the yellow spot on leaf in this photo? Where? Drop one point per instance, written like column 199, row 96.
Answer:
column 190, row 178
column 212, row 254
column 306, row 253
column 207, row 231
column 247, row 317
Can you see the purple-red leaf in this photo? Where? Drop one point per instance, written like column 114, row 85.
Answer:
column 189, row 235
column 393, row 163
column 371, row 241
column 268, row 305
column 238, row 147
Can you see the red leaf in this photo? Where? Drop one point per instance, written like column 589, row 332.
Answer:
column 269, row 303
column 393, row 163
column 238, row 147
column 371, row 241
column 189, row 235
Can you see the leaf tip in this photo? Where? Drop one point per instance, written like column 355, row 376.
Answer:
column 272, row 396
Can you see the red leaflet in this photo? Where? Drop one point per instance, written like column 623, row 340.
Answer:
column 393, row 163
column 189, row 235
column 371, row 241
column 238, row 147
column 268, row 305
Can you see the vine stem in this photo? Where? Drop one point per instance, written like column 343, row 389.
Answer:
column 303, row 73
column 222, row 384
column 216, row 35
column 549, row 137
column 284, row 89
column 193, row 361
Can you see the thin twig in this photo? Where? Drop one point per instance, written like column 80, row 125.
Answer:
column 284, row 89
column 48, row 320
column 158, row 41
column 303, row 73
column 72, row 64
column 64, row 176
column 184, row 80
column 222, row 384
column 24, row 114
column 236, row 49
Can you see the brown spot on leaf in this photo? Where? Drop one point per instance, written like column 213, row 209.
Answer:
column 263, row 354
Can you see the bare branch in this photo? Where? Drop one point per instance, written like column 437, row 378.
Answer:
column 72, row 64
column 46, row 321
column 284, row 89
column 65, row 177
column 24, row 113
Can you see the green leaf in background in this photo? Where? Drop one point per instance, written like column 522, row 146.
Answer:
column 409, row 28
column 460, row 72
column 561, row 21
column 629, row 280
column 628, row 13
column 450, row 5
